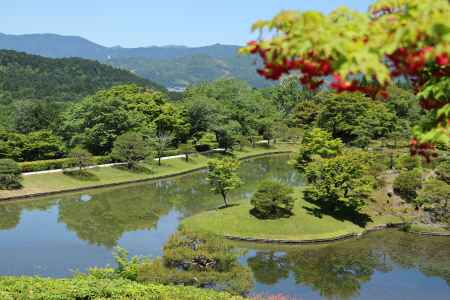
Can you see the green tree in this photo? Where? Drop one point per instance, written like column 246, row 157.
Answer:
column 317, row 142
column 80, row 158
column 223, row 176
column 160, row 143
column 10, row 175
column 187, row 149
column 272, row 200
column 354, row 118
column 340, row 183
column 227, row 134
column 33, row 115
column 436, row 194
column 131, row 148
column 407, row 183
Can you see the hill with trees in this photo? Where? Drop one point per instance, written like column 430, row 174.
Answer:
column 171, row 66
column 24, row 76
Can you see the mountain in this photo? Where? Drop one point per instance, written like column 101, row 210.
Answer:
column 171, row 66
column 25, row 76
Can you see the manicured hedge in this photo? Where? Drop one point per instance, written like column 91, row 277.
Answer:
column 53, row 164
column 89, row 288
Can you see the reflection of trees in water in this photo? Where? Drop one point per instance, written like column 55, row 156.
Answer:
column 10, row 213
column 339, row 270
column 108, row 215
column 104, row 216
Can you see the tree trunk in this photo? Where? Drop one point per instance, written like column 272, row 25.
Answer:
column 224, row 195
column 159, row 160
column 187, row 156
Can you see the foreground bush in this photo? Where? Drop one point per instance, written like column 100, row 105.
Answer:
column 407, row 184
column 91, row 288
column 197, row 259
column 272, row 200
column 10, row 174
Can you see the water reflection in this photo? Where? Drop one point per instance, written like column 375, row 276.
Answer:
column 340, row 270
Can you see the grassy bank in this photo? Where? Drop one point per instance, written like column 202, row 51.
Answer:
column 307, row 223
column 41, row 184
column 35, row 288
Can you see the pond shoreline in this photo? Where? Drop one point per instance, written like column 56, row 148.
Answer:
column 150, row 179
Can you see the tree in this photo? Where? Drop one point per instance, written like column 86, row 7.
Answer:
column 10, row 175
column 359, row 52
column 223, row 177
column 33, row 115
column 436, row 193
column 160, row 143
column 317, row 142
column 243, row 142
column 131, row 148
column 228, row 134
column 340, row 183
column 408, row 183
column 354, row 118
column 80, row 158
column 186, row 148
column 272, row 200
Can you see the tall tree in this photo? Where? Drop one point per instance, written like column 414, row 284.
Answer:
column 223, row 176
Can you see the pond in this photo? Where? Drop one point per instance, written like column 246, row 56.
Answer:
column 58, row 235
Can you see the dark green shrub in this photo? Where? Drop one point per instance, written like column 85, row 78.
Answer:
column 10, row 174
column 53, row 164
column 80, row 158
column 131, row 148
column 407, row 184
column 272, row 200
column 197, row 259
column 443, row 171
column 408, row 162
column 435, row 194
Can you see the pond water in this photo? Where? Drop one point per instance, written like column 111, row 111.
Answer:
column 58, row 235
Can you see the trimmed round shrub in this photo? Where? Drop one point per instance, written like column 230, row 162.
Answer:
column 272, row 200
column 10, row 174
column 407, row 184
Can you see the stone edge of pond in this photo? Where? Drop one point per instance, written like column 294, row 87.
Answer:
column 106, row 185
column 317, row 241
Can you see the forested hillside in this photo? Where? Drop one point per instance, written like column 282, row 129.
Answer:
column 171, row 66
column 186, row 70
column 24, row 76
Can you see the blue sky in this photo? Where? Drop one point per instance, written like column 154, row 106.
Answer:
column 133, row 23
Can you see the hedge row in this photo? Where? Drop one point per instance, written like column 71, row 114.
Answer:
column 89, row 288
column 53, row 164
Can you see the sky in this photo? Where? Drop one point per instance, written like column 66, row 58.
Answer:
column 136, row 23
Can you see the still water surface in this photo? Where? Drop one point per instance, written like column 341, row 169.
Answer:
column 55, row 236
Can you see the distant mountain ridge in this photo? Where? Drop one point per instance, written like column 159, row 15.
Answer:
column 188, row 67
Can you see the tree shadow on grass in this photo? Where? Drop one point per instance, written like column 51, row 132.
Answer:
column 279, row 213
column 82, row 175
column 137, row 169
column 341, row 214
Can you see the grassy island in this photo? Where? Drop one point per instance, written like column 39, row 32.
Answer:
column 306, row 223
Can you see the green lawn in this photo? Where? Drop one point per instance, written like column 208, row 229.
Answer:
column 55, row 182
column 303, row 225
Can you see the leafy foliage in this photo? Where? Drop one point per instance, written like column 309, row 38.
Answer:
column 396, row 40
column 341, row 182
column 443, row 170
column 317, row 142
column 80, row 158
column 131, row 148
column 223, row 177
column 408, row 183
column 10, row 175
column 272, row 200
